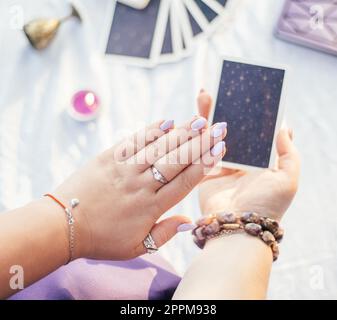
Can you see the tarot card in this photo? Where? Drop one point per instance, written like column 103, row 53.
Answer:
column 197, row 14
column 177, row 36
column 173, row 44
column 163, row 46
column 137, row 4
column 167, row 45
column 312, row 23
column 207, row 11
column 195, row 27
column 205, row 15
column 249, row 99
column 131, row 37
column 184, row 26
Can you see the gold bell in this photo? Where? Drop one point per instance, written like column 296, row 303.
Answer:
column 41, row 32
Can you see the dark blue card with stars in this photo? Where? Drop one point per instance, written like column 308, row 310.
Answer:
column 132, row 31
column 248, row 100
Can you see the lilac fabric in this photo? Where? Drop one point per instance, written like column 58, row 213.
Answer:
column 147, row 277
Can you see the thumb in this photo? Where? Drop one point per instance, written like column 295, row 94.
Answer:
column 166, row 229
column 204, row 104
column 289, row 160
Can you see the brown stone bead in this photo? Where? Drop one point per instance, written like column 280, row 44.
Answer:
column 253, row 229
column 267, row 237
column 199, row 243
column 250, row 217
column 279, row 235
column 270, row 225
column 226, row 217
column 204, row 221
column 212, row 228
column 275, row 249
column 199, row 234
column 231, row 226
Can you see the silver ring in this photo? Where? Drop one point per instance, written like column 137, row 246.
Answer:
column 149, row 244
column 158, row 176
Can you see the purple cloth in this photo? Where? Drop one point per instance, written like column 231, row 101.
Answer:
column 147, row 277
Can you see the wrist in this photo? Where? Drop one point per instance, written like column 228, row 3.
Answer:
column 57, row 225
column 214, row 226
column 239, row 244
column 61, row 221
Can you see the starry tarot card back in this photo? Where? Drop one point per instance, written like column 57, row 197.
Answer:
column 132, row 31
column 249, row 100
column 312, row 23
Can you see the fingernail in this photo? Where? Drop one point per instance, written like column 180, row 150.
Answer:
column 219, row 129
column 198, row 124
column 186, row 227
column 166, row 125
column 218, row 148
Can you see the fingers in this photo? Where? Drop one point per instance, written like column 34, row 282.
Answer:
column 168, row 142
column 204, row 104
column 130, row 146
column 182, row 184
column 165, row 230
column 289, row 160
column 174, row 162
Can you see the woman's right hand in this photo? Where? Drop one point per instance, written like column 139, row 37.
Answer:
column 121, row 202
column 268, row 192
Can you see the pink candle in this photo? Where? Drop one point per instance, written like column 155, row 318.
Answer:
column 85, row 105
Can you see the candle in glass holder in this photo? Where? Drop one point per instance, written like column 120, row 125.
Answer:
column 85, row 105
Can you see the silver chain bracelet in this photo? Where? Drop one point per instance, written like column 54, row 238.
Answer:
column 70, row 220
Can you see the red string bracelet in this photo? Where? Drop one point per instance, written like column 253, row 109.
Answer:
column 70, row 220
column 56, row 200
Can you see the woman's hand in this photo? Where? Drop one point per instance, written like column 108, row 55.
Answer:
column 238, row 266
column 121, row 202
column 267, row 192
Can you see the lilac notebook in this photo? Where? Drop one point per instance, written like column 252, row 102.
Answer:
column 312, row 23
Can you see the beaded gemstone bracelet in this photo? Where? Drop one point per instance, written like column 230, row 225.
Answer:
column 216, row 225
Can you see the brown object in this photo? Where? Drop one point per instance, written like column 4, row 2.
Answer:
column 199, row 233
column 267, row 237
column 226, row 217
column 270, row 224
column 279, row 235
column 204, row 221
column 213, row 226
column 199, row 243
column 275, row 250
column 231, row 226
column 41, row 32
column 253, row 229
column 250, row 217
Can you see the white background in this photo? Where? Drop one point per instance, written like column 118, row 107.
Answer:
column 40, row 145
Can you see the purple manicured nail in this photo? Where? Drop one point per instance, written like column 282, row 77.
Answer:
column 166, row 125
column 198, row 124
column 186, row 227
column 219, row 129
column 218, row 148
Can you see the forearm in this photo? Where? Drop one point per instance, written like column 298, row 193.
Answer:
column 229, row 267
column 35, row 238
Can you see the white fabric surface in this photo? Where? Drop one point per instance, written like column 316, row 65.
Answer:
column 40, row 145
